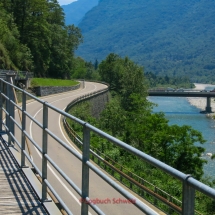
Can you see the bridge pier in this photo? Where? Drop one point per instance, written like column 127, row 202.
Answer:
column 208, row 107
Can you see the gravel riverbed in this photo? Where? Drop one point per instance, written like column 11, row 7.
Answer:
column 201, row 102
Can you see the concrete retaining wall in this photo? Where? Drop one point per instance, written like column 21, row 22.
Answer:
column 98, row 103
column 45, row 91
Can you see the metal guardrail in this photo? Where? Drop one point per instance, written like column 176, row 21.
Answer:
column 20, row 75
column 127, row 177
column 189, row 184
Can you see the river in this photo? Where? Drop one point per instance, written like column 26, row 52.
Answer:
column 179, row 111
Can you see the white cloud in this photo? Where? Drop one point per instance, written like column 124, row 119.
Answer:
column 65, row 2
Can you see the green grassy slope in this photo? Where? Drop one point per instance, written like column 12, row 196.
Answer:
column 52, row 82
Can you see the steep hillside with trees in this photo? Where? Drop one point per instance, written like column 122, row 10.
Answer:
column 34, row 37
column 166, row 37
column 13, row 54
column 75, row 11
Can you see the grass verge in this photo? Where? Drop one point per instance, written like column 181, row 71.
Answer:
column 47, row 82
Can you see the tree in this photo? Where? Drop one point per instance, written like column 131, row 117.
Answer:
column 31, row 17
column 74, row 37
column 110, row 72
column 113, row 118
column 96, row 64
column 79, row 68
column 42, row 29
column 56, row 14
column 133, row 86
column 13, row 54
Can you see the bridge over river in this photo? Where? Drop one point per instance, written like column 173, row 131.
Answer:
column 186, row 93
column 45, row 171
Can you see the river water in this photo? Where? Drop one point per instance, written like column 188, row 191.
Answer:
column 179, row 111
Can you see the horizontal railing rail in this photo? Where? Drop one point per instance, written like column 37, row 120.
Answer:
column 189, row 184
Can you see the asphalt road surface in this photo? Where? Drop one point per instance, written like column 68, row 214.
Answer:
column 108, row 198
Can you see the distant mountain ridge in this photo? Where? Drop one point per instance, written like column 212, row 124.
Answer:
column 166, row 37
column 75, row 11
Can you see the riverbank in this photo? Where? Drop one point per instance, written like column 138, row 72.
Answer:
column 201, row 102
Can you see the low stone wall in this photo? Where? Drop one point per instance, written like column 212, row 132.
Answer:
column 98, row 103
column 45, row 91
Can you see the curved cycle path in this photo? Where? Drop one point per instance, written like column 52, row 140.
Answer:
column 99, row 190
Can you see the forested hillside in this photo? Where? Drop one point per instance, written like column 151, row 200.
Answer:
column 75, row 11
column 166, row 37
column 34, row 37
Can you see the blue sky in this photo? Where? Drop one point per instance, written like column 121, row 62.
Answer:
column 65, row 2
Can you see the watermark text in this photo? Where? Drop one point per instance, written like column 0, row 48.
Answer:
column 97, row 201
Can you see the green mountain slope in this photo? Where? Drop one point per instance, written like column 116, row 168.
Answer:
column 75, row 11
column 166, row 37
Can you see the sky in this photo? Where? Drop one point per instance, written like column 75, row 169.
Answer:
column 65, row 2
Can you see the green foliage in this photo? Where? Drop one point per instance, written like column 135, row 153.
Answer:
column 79, row 68
column 155, row 81
column 13, row 54
column 84, row 70
column 84, row 112
column 113, row 118
column 125, row 78
column 204, row 203
column 35, row 82
column 34, row 37
column 110, row 71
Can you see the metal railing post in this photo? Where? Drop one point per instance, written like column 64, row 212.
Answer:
column 155, row 199
column 85, row 170
column 142, row 191
column 9, row 106
column 120, row 176
column 23, row 128
column 1, row 104
column 44, row 149
column 170, row 209
column 130, row 183
column 99, row 159
column 188, row 198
